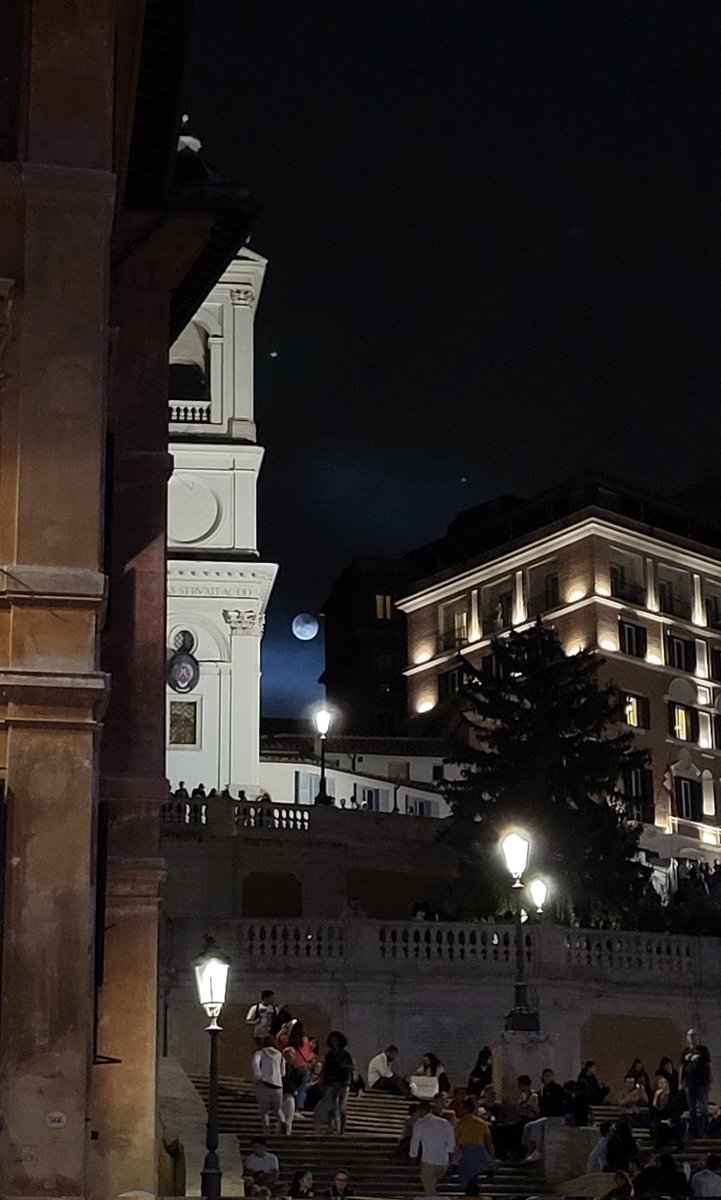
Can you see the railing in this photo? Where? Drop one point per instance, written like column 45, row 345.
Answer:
column 291, row 941
column 632, row 593
column 193, row 413
column 648, row 953
column 494, row 621
column 674, row 606
column 451, row 640
column 431, row 941
column 540, row 603
column 424, row 947
column 184, row 812
column 709, row 834
column 266, row 815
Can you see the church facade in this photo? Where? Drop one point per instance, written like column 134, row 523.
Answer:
column 217, row 587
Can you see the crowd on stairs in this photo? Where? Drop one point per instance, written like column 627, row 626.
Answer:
column 460, row 1137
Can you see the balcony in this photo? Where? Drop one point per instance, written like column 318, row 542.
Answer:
column 710, row 835
column 417, row 950
column 496, row 620
column 713, row 612
column 451, row 639
column 187, row 412
column 542, row 602
column 674, row 605
column 628, row 591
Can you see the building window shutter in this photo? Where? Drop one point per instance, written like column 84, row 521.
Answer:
column 694, row 725
column 672, row 718
column 690, row 656
column 644, row 712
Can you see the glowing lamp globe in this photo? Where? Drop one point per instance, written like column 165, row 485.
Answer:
column 515, row 849
column 323, row 719
column 538, row 891
column 211, row 979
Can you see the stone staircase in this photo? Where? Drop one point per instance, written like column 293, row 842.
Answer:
column 368, row 1149
column 695, row 1154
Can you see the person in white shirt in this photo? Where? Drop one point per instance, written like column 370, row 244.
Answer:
column 268, row 1070
column 261, row 1015
column 708, row 1181
column 382, row 1077
column 262, row 1169
column 435, row 1138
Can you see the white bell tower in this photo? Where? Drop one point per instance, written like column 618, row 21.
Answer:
column 217, row 588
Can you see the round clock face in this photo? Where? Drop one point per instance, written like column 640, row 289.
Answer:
column 183, row 672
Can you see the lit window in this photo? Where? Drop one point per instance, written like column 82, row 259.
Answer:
column 183, row 723
column 681, row 723
column 384, row 607
column 632, row 711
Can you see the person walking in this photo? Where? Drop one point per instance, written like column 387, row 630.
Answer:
column 435, row 1139
column 473, row 1135
column 268, row 1071
column 695, row 1079
column 338, row 1068
column 261, row 1016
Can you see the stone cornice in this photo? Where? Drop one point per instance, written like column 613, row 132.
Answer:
column 63, row 691
column 29, row 580
column 221, row 581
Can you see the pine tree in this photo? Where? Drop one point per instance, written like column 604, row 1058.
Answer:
column 549, row 757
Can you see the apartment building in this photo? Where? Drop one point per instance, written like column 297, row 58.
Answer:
column 611, row 568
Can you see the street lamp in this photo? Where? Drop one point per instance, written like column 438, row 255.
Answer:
column 323, row 718
column 516, row 849
column 211, row 980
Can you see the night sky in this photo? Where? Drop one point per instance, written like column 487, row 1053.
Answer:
column 494, row 243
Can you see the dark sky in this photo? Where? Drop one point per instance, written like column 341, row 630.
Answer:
column 493, row 233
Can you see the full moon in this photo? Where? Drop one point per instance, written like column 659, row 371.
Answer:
column 304, row 627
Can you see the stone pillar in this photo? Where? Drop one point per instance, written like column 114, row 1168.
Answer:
column 243, row 299
column 246, row 628
column 54, row 235
column 133, row 783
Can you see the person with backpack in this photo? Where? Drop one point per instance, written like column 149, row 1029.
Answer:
column 261, row 1016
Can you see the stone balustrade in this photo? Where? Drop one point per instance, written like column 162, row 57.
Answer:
column 402, row 947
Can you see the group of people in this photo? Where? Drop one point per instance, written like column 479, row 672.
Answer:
column 468, row 1127
column 261, row 1177
column 655, row 1175
column 291, row 1076
column 673, row 1103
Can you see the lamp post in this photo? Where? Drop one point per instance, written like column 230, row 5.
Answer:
column 516, row 849
column 211, row 980
column 323, row 720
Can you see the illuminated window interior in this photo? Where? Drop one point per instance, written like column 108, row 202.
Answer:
column 183, row 723
column 384, row 607
column 631, row 709
column 681, row 723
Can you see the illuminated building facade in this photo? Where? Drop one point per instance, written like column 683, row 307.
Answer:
column 217, row 587
column 632, row 575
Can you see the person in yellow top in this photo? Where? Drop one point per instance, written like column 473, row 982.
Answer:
column 473, row 1136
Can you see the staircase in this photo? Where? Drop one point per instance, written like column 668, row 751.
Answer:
column 368, row 1150
column 695, row 1153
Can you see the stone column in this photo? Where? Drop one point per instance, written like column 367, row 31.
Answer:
column 54, row 234
column 133, row 783
column 243, row 299
column 246, row 628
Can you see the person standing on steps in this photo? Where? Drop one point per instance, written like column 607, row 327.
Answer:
column 261, row 1016
column 338, row 1068
column 268, row 1073
column 696, row 1078
column 436, row 1140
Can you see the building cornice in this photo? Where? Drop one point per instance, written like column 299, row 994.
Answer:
column 541, row 546
column 221, row 581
